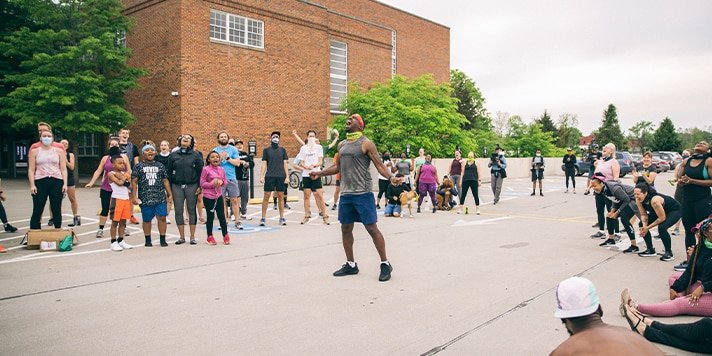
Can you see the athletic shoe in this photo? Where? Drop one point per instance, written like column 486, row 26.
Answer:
column 180, row 241
column 617, row 235
column 595, row 226
column 681, row 267
column 124, row 245
column 168, row 221
column 346, row 270
column 385, row 272
column 532, row 194
column 115, row 246
column 238, row 225
column 226, row 239
column 541, row 194
column 676, row 231
column 134, row 220
column 667, row 257
column 50, row 222
column 286, row 206
column 631, row 249
column 73, row 223
column 232, row 217
column 193, row 242
column 418, row 211
column 148, row 242
column 10, row 228
column 211, row 240
column 275, row 206
column 648, row 253
column 262, row 222
column 333, row 207
column 607, row 243
column 587, row 192
column 99, row 233
column 283, row 221
column 127, row 233
column 597, row 235
column 478, row 211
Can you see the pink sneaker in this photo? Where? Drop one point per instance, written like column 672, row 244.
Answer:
column 226, row 239
column 211, row 240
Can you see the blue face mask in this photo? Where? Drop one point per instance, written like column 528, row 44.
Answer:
column 46, row 141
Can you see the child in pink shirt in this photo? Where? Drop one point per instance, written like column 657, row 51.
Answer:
column 212, row 179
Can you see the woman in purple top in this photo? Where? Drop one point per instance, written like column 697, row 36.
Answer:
column 212, row 179
column 105, row 167
column 427, row 182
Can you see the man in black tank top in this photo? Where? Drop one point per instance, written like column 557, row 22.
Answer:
column 694, row 180
column 357, row 203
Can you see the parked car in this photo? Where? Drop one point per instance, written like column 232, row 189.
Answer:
column 581, row 167
column 637, row 159
column 625, row 161
column 672, row 157
column 664, row 164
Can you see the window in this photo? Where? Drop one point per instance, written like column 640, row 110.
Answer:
column 393, row 54
column 338, row 75
column 89, row 145
column 236, row 29
column 121, row 39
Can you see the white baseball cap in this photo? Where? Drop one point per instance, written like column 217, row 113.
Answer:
column 575, row 297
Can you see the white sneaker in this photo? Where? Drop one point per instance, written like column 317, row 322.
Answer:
column 477, row 210
column 124, row 245
column 168, row 221
column 116, row 247
column 232, row 217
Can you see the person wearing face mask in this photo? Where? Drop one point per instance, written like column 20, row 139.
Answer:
column 570, row 169
column 418, row 161
column 47, row 173
column 695, row 180
column 498, row 171
column 428, row 182
column 43, row 126
column 105, row 166
column 455, row 172
column 470, row 180
column 274, row 175
column 383, row 181
column 243, row 178
column 609, row 167
column 184, row 168
column 537, row 172
column 230, row 158
column 310, row 159
column 405, row 167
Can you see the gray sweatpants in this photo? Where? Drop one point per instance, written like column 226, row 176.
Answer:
column 244, row 195
column 183, row 193
column 496, row 186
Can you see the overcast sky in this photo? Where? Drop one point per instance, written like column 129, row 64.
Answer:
column 650, row 58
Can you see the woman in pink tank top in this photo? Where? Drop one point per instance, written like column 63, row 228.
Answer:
column 427, row 182
column 47, row 173
column 609, row 165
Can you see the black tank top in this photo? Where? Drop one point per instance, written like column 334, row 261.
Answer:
column 470, row 172
column 669, row 204
column 70, row 173
column 691, row 192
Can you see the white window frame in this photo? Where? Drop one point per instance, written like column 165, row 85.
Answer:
column 89, row 145
column 393, row 54
column 333, row 76
column 248, row 32
column 121, row 39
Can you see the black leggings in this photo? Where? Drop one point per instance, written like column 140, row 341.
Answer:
column 602, row 206
column 382, row 186
column 47, row 188
column 105, row 197
column 470, row 184
column 3, row 215
column 692, row 213
column 693, row 337
column 625, row 214
column 570, row 172
column 670, row 219
column 212, row 207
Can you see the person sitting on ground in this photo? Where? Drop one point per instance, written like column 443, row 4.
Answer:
column 445, row 194
column 578, row 307
column 693, row 337
column 689, row 290
column 393, row 192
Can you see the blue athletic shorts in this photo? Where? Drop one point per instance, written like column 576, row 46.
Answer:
column 148, row 212
column 358, row 208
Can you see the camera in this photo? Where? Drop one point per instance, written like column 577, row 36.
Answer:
column 494, row 158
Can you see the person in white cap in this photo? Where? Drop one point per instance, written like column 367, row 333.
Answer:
column 578, row 307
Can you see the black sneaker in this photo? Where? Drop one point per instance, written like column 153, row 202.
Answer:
column 648, row 253
column 597, row 235
column 681, row 267
column 418, row 211
column 333, row 207
column 434, row 210
column 541, row 194
column 631, row 249
column 50, row 222
column 385, row 272
column 667, row 257
column 532, row 194
column 346, row 270
column 10, row 228
column 607, row 243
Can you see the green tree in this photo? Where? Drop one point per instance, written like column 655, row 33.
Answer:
column 73, row 71
column 417, row 111
column 533, row 138
column 610, row 130
column 694, row 135
column 666, row 138
column 642, row 133
column 568, row 134
column 471, row 103
column 547, row 125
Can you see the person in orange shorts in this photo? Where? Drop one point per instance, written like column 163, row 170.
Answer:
column 121, row 205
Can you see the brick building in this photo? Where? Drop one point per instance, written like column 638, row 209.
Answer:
column 253, row 66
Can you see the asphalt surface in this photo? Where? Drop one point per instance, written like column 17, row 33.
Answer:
column 462, row 284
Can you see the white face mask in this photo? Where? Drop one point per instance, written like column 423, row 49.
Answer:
column 275, row 140
column 311, row 141
column 538, row 154
column 46, row 141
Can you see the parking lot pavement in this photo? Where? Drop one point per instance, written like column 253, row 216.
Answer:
column 462, row 284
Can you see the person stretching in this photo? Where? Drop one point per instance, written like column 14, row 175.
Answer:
column 656, row 210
